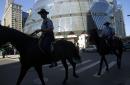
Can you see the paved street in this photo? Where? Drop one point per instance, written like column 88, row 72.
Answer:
column 9, row 70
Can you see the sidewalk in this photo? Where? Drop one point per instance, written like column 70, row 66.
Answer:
column 12, row 57
column 9, row 60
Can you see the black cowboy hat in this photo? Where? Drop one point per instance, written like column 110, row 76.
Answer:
column 43, row 11
column 107, row 23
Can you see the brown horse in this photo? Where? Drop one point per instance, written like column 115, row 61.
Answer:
column 103, row 48
column 31, row 55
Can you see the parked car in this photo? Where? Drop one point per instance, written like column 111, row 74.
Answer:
column 90, row 48
column 126, row 46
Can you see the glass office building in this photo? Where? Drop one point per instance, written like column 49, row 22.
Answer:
column 71, row 18
column 67, row 15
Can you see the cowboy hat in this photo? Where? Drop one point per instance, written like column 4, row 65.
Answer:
column 43, row 11
column 107, row 23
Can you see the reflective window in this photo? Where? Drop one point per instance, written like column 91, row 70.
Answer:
column 67, row 15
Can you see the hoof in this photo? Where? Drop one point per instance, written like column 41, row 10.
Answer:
column 119, row 67
column 64, row 82
column 76, row 76
column 107, row 69
column 98, row 74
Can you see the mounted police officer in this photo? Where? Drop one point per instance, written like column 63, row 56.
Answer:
column 47, row 36
column 108, row 33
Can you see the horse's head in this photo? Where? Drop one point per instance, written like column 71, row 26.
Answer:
column 4, row 36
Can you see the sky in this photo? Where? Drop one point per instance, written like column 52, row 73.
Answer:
column 27, row 4
column 126, row 11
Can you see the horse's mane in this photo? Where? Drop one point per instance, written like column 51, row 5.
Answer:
column 17, row 32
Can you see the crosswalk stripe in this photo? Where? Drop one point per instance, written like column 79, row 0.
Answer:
column 87, row 67
column 110, row 66
column 104, row 69
column 59, row 64
column 84, row 62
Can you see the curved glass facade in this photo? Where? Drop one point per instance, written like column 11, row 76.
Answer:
column 100, row 13
column 67, row 15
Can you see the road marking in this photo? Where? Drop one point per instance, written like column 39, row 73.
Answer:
column 87, row 67
column 37, row 81
column 59, row 64
column 104, row 69
column 84, row 62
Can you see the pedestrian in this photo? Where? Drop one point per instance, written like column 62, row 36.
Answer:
column 47, row 36
column 3, row 52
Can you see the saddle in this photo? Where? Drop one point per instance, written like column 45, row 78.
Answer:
column 110, row 43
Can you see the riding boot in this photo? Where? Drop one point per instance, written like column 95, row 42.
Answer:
column 51, row 57
column 47, row 41
column 110, row 45
column 53, row 63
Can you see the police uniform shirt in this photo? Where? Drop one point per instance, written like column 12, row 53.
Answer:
column 47, row 24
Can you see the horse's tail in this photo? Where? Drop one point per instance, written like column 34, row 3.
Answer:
column 119, row 43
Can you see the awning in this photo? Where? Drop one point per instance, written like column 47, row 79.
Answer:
column 59, row 35
column 71, row 35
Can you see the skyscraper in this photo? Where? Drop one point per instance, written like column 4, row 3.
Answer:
column 8, row 2
column 120, row 28
column 24, row 18
column 12, row 16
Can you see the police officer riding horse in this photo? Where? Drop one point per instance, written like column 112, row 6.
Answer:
column 47, row 36
column 108, row 33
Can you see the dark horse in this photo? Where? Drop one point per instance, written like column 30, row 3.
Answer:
column 31, row 55
column 103, row 48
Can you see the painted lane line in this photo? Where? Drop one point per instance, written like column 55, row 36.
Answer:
column 84, row 62
column 59, row 64
column 104, row 69
column 87, row 67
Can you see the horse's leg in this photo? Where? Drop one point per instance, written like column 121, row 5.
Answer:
column 107, row 67
column 23, row 71
column 120, row 55
column 38, row 68
column 74, row 67
column 66, row 70
column 100, row 68
column 117, row 54
column 118, row 59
